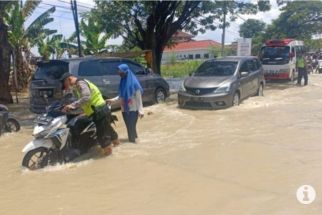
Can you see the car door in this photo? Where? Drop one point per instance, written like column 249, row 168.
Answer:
column 254, row 76
column 91, row 70
column 110, row 77
column 145, row 79
column 245, row 84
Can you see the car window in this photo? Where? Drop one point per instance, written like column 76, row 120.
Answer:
column 252, row 65
column 50, row 71
column 89, row 68
column 259, row 65
column 216, row 68
column 110, row 67
column 244, row 67
column 137, row 69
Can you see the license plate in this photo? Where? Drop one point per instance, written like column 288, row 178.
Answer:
column 196, row 99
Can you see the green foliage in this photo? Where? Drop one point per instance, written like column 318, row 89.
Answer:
column 25, row 37
column 216, row 51
column 180, row 69
column 51, row 46
column 251, row 27
column 95, row 41
column 313, row 44
column 151, row 24
column 299, row 20
column 257, row 43
column 173, row 58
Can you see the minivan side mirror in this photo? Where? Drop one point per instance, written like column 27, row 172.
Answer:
column 244, row 74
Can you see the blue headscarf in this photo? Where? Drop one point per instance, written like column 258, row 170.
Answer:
column 128, row 85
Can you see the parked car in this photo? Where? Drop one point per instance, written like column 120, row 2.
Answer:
column 221, row 83
column 45, row 87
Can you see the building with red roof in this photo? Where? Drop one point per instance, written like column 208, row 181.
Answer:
column 186, row 48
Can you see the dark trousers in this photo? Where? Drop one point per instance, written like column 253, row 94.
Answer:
column 104, row 130
column 130, row 119
column 302, row 73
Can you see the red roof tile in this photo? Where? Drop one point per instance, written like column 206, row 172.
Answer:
column 192, row 45
column 182, row 34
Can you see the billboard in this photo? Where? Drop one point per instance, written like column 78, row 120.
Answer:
column 244, row 46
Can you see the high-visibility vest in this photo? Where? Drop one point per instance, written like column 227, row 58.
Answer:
column 300, row 62
column 96, row 99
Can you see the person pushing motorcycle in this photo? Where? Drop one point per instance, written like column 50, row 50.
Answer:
column 91, row 101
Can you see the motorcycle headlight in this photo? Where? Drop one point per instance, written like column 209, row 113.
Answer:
column 225, row 88
column 40, row 132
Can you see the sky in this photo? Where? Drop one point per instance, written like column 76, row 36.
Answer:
column 64, row 24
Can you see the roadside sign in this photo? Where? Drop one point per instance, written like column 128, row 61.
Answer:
column 244, row 46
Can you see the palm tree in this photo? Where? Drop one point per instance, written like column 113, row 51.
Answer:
column 95, row 40
column 22, row 39
column 5, row 52
column 51, row 46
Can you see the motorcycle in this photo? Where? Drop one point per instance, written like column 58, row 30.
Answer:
column 59, row 137
column 8, row 123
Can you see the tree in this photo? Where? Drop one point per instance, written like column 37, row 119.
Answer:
column 151, row 24
column 95, row 40
column 51, row 46
column 22, row 39
column 299, row 20
column 251, row 27
column 5, row 53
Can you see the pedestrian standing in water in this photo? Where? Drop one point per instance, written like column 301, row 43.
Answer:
column 130, row 96
column 301, row 68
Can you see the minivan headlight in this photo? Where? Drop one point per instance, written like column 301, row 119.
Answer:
column 225, row 88
column 182, row 87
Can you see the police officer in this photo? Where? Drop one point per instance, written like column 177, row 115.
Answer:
column 302, row 72
column 91, row 101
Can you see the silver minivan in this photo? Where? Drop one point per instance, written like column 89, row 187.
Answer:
column 221, row 83
column 46, row 88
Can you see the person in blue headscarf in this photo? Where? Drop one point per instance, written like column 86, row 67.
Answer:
column 130, row 95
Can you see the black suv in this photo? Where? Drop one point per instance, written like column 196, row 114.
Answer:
column 46, row 88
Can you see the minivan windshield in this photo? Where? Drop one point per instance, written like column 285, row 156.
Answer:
column 50, row 71
column 275, row 55
column 217, row 68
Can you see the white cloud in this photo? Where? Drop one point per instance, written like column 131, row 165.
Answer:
column 232, row 33
column 64, row 23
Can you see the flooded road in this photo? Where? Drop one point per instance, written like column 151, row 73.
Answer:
column 245, row 160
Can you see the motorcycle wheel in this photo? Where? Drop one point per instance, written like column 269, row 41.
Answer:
column 12, row 125
column 36, row 159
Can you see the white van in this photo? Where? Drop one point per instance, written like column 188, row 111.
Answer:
column 278, row 58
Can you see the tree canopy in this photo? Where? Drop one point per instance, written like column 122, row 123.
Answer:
column 151, row 24
column 251, row 27
column 299, row 20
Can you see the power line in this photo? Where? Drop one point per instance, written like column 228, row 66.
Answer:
column 56, row 15
column 60, row 6
column 78, row 4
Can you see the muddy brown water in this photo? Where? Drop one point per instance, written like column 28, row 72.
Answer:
column 244, row 160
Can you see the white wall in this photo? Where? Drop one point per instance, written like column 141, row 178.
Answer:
column 184, row 55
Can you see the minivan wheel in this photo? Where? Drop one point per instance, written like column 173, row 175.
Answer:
column 159, row 95
column 260, row 91
column 236, row 99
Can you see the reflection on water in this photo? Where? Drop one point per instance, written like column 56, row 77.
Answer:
column 244, row 160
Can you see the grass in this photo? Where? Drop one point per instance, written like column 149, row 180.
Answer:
column 179, row 69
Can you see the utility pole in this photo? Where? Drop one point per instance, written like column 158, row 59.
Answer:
column 223, row 31
column 75, row 15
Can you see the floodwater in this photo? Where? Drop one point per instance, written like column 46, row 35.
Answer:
column 245, row 160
